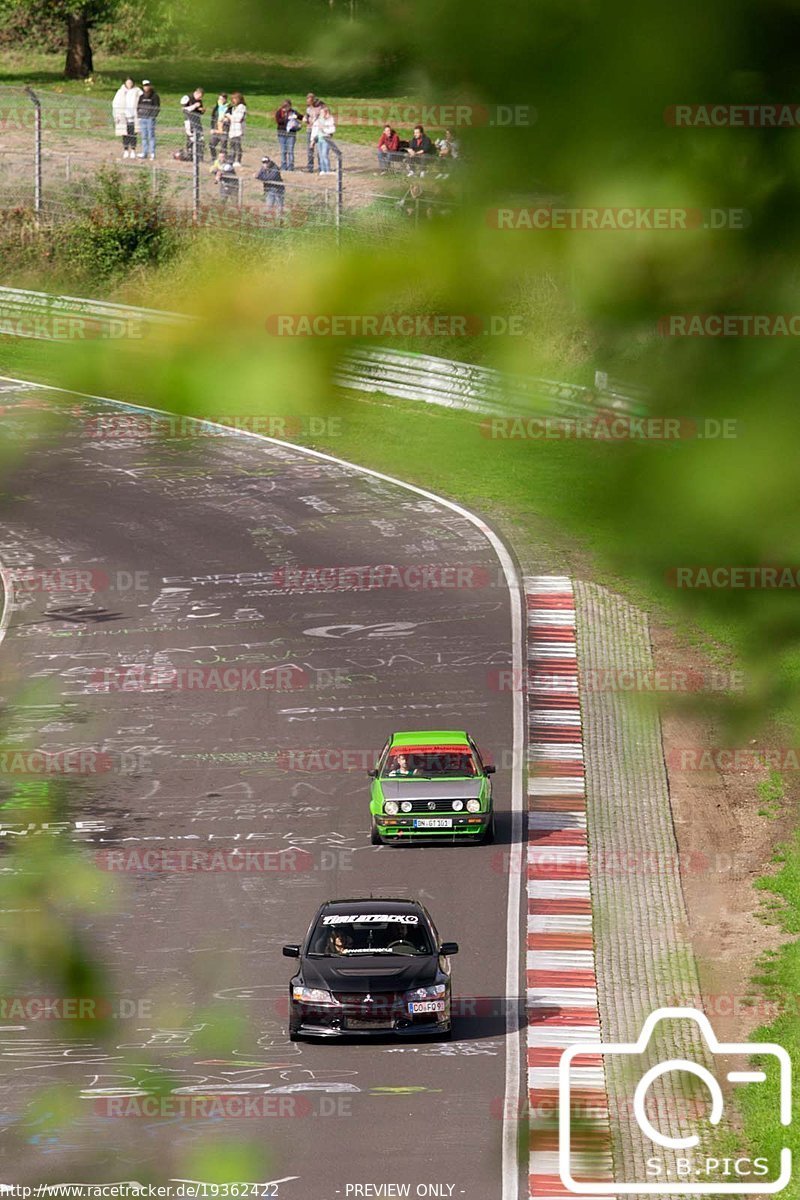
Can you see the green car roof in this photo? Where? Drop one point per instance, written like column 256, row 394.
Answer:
column 431, row 737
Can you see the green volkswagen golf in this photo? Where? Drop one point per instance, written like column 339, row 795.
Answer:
column 431, row 785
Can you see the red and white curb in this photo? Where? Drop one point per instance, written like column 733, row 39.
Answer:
column 561, row 984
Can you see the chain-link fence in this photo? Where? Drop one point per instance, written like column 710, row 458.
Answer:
column 50, row 170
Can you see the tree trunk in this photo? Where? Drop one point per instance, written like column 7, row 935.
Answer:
column 79, row 48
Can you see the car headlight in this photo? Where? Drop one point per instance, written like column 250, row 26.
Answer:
column 390, row 807
column 435, row 991
column 312, row 996
column 473, row 805
column 458, row 805
column 406, row 806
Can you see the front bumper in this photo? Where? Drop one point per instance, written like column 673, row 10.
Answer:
column 310, row 1020
column 466, row 827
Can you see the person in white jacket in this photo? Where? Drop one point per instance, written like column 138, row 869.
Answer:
column 238, row 116
column 124, row 109
column 322, row 131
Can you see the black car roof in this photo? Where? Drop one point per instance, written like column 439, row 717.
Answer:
column 372, row 904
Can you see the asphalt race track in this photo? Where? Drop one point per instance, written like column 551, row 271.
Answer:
column 191, row 549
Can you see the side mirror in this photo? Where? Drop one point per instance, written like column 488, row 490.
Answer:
column 490, row 769
column 291, row 951
column 373, row 773
column 448, row 948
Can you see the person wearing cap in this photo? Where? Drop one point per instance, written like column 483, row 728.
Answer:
column 228, row 181
column 148, row 110
column 274, row 187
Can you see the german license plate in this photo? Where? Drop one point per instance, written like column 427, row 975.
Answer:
column 426, row 1006
column 433, row 823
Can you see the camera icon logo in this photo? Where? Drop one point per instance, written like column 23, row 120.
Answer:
column 687, row 1176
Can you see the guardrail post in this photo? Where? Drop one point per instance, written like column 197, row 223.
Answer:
column 37, row 161
column 339, row 190
column 195, row 176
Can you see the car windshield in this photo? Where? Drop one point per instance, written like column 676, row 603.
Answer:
column 429, row 762
column 348, row 935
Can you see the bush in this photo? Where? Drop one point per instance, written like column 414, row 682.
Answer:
column 120, row 225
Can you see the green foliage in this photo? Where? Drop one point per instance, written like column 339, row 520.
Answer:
column 121, row 225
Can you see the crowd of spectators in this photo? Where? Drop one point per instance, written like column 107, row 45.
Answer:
column 419, row 153
column 136, row 111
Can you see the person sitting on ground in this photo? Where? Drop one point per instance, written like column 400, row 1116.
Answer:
column 388, row 149
column 419, row 148
column 448, row 145
column 228, row 181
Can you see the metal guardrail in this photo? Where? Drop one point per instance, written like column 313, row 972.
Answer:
column 484, row 390
column 403, row 374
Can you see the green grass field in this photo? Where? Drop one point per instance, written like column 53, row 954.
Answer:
column 265, row 82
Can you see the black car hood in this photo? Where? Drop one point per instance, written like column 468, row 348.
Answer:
column 430, row 789
column 370, row 973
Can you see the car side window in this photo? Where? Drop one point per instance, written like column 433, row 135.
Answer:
column 433, row 930
column 477, row 754
column 383, row 756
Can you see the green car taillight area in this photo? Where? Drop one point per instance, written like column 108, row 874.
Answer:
column 431, row 785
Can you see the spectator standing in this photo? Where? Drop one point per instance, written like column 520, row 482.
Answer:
column 322, row 131
column 419, row 147
column 314, row 107
column 126, row 122
column 238, row 116
column 148, row 110
column 274, row 187
column 220, row 123
column 193, row 111
column 288, row 121
column 388, row 148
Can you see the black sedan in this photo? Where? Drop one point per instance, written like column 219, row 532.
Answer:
column 371, row 968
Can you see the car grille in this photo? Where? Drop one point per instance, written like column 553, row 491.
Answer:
column 381, row 1003
column 433, row 806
